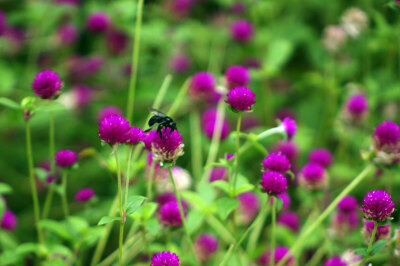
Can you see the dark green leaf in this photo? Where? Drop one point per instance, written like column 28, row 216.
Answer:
column 9, row 103
column 225, row 206
column 378, row 246
column 133, row 203
column 109, row 219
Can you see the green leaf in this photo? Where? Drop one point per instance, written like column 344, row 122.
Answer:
column 55, row 262
column 378, row 246
column 51, row 107
column 243, row 188
column 148, row 210
column 152, row 225
column 195, row 199
column 225, row 206
column 279, row 203
column 41, row 173
column 9, row 103
column 134, row 202
column 223, row 185
column 361, row 251
column 5, row 189
column 91, row 236
column 28, row 103
column 278, row 53
column 2, row 207
column 194, row 221
column 109, row 219
column 57, row 228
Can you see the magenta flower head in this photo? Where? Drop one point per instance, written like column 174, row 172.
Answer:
column 165, row 258
column 65, row 158
column 84, row 194
column 273, row 183
column 313, row 177
column 204, row 246
column 180, row 63
column 382, row 231
column 289, row 149
column 290, row 127
column 377, row 206
column 344, row 222
column 98, row 22
column 348, row 204
column 169, row 214
column 108, row 111
column 168, row 148
column 202, row 85
column 8, row 221
column 241, row 99
column 237, row 76
column 47, row 84
column 357, row 105
column 117, row 41
column 208, row 121
column 68, row 34
column 218, row 173
column 82, row 95
column 135, row 135
column 289, row 219
column 387, row 133
column 276, row 162
column 242, row 30
column 248, row 208
column 321, row 156
column 335, row 261
column 285, row 200
column 279, row 253
column 114, row 129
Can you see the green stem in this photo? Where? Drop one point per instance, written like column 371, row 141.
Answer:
column 51, row 143
column 150, row 182
column 195, row 137
column 178, row 198
column 226, row 257
column 64, row 194
column 273, row 228
column 47, row 203
column 178, row 100
column 121, row 212
column 303, row 236
column 221, row 229
column 35, row 199
column 135, row 61
column 316, row 258
column 239, row 121
column 127, row 176
column 255, row 234
column 371, row 241
column 263, row 135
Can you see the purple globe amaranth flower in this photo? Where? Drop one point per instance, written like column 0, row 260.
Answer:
column 204, row 246
column 8, row 221
column 279, row 254
column 344, row 222
column 241, row 99
column 290, row 127
column 335, row 261
column 168, row 147
column 289, row 219
column 208, row 121
column 382, row 231
column 252, row 62
column 242, row 30
column 68, row 34
column 377, row 206
column 276, row 162
column 248, row 207
column 65, row 158
column 117, row 41
column 47, row 84
column 218, row 173
column 313, row 176
column 169, row 214
column 108, row 111
column 237, row 76
column 273, row 183
column 98, row 22
column 321, row 156
column 202, row 85
column 357, row 105
column 84, row 194
column 135, row 135
column 387, row 133
column 289, row 149
column 114, row 129
column 285, row 200
column 165, row 258
column 148, row 139
column 348, row 204
column 180, row 63
column 165, row 197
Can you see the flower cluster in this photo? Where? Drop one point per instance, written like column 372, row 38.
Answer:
column 165, row 258
column 386, row 143
column 377, row 206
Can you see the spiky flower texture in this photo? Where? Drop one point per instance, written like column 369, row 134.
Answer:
column 167, row 147
column 241, row 99
column 377, row 205
column 114, row 129
column 165, row 258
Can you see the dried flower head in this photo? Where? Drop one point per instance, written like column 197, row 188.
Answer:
column 84, row 194
column 377, row 205
column 65, row 158
column 114, row 129
column 354, row 21
column 242, row 30
column 273, row 183
column 237, row 76
column 165, row 258
column 168, row 147
column 276, row 162
column 241, row 99
column 321, row 156
column 313, row 176
column 386, row 143
column 47, row 84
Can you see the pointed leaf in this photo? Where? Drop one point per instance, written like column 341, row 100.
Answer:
column 378, row 246
column 9, row 103
column 108, row 219
column 223, row 185
column 133, row 203
column 194, row 221
column 225, row 206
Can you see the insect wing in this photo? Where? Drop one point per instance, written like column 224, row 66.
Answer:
column 156, row 112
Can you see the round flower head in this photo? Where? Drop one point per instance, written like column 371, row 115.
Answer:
column 204, row 246
column 313, row 176
column 65, row 158
column 169, row 214
column 180, row 63
column 377, row 206
column 164, row 198
column 107, row 111
column 114, row 129
column 168, row 147
column 47, row 84
column 252, row 62
column 343, row 222
column 276, row 162
column 135, row 135
column 182, row 179
column 218, row 173
column 238, row 7
column 290, row 127
column 202, row 85
column 285, row 200
column 387, row 133
column 335, row 261
column 68, row 34
column 350, row 257
column 289, row 219
column 8, row 221
column 320, row 156
column 241, row 99
column 334, row 38
column 248, row 208
column 242, row 30
column 279, row 253
column 210, row 127
column 289, row 149
column 347, row 204
column 357, row 105
column 382, row 231
column 165, row 258
column 117, row 41
column 98, row 22
column 273, row 183
column 84, row 194
column 82, row 95
column 237, row 76
column 354, row 21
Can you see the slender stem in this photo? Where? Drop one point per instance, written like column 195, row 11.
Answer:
column 35, row 199
column 221, row 229
column 226, row 258
column 371, row 241
column 178, row 198
column 127, row 176
column 273, row 228
column 47, row 203
column 316, row 258
column 255, row 234
column 121, row 212
column 51, row 143
column 306, row 233
column 135, row 61
column 263, row 135
column 195, row 137
column 150, row 182
column 239, row 121
column 178, row 100
column 64, row 194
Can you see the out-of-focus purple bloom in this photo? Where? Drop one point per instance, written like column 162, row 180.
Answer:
column 169, row 147
column 83, row 95
column 209, row 119
column 335, row 261
column 169, row 214
column 164, row 198
column 3, row 23
column 218, row 173
column 279, row 253
column 377, row 205
column 65, row 158
column 202, row 85
column 114, row 129
column 357, row 105
column 242, row 30
column 165, row 258
column 98, row 22
column 313, row 176
column 47, row 84
column 135, row 135
column 348, row 204
column 248, row 208
column 273, row 183
column 343, row 222
column 204, row 246
column 382, row 231
column 241, row 99
column 180, row 63
column 289, row 219
column 276, row 162
column 84, row 194
column 334, row 38
column 321, row 156
column 238, row 7
column 108, row 111
column 249, row 122
column 285, row 112
column 182, row 178
column 237, row 76
column 387, row 133
column 117, row 41
column 290, row 127
column 252, row 62
column 68, row 34
column 180, row 8
column 69, row 2
column 289, row 149
column 229, row 156
column 8, row 221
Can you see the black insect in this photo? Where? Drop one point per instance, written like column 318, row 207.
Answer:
column 161, row 120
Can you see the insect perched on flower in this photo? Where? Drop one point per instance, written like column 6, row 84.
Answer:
column 162, row 121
